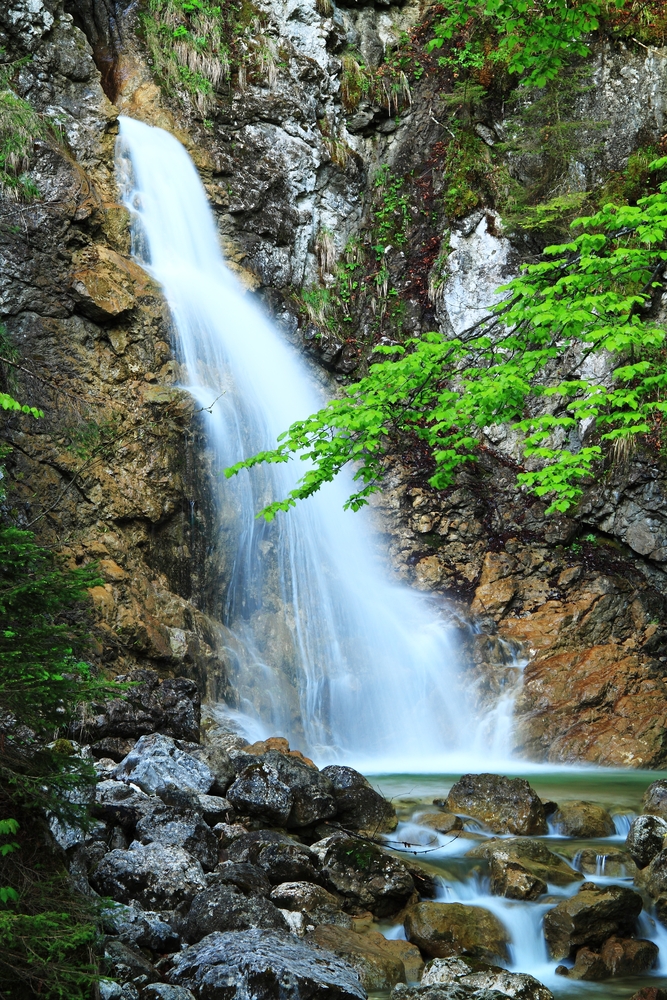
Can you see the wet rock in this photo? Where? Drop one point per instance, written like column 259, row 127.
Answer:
column 284, row 790
column 171, row 707
column 280, row 744
column 617, row 957
column 504, row 805
column 263, row 965
column 533, row 856
column 654, row 877
column 582, row 819
column 165, row 825
column 590, row 917
column 513, row 880
column 142, row 928
column 443, row 930
column 358, row 805
column 218, row 762
column 365, row 876
column 441, row 822
column 250, row 879
column 155, row 763
column 225, row 908
column 614, row 864
column 378, row 962
column 288, row 862
column 157, row 877
column 650, row 993
column 645, row 839
column 473, row 974
column 120, row 804
column 655, row 798
column 317, row 904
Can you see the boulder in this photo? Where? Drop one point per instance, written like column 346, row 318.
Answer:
column 441, row 822
column 358, row 805
column 443, row 930
column 140, row 928
column 532, row 855
column 227, row 833
column 317, row 904
column 655, row 798
column 171, row 706
column 590, row 917
column 125, row 962
column 163, row 991
column 225, row 908
column 616, row 957
column 582, row 819
column 614, row 864
column 214, row 809
column 444, row 991
column 512, row 879
column 250, row 879
column 281, row 858
column 645, row 839
column 157, row 877
column 365, row 876
column 280, row 744
column 216, row 759
column 155, row 763
column 378, row 962
column 165, row 825
column 120, row 804
column 263, row 965
column 504, row 805
column 475, row 975
column 284, row 790
column 654, row 877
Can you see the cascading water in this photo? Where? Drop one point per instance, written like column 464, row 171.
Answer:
column 333, row 654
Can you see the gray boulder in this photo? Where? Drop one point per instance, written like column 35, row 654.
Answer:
column 477, row 976
column 319, row 905
column 263, row 965
column 589, row 918
column 280, row 857
column 364, row 876
column 165, row 825
column 250, row 879
column 504, row 805
column 283, row 790
column 156, row 762
column 120, row 804
column 140, row 928
column 126, row 962
column 645, row 839
column 158, row 877
column 655, row 798
column 214, row 808
column 224, row 908
column 258, row 791
column 448, row 991
column 218, row 762
column 358, row 805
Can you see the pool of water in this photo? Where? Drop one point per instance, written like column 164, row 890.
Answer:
column 465, row 880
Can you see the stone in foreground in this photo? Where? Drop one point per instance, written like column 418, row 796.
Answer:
column 589, row 918
column 358, row 805
column 365, row 876
column 444, row 930
column 645, row 839
column 582, row 819
column 263, row 965
column 469, row 973
column 157, row 877
column 504, row 805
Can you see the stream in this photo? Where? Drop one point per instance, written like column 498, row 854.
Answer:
column 464, row 880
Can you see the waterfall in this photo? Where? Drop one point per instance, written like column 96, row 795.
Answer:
column 333, row 653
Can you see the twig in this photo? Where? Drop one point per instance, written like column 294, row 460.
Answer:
column 209, row 409
column 63, row 492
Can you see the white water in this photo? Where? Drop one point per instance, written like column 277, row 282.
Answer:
column 333, row 654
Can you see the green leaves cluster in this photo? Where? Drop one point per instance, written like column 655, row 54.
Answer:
column 535, row 39
column 582, row 308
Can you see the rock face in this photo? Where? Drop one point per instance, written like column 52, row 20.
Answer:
column 263, row 965
column 589, row 918
column 504, row 805
column 582, row 819
column 442, row 930
column 645, row 839
column 358, row 805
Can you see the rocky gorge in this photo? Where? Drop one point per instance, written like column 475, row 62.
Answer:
column 361, row 201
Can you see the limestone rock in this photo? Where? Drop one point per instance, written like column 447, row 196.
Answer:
column 218, row 762
column 143, row 928
column 263, row 965
column 250, row 879
column 224, row 908
column 645, row 839
column 167, row 826
column 104, row 283
column 655, row 798
column 157, row 877
column 477, row 976
column 171, row 706
column 284, row 790
column 365, row 876
column 582, row 819
column 121, row 804
column 504, row 805
column 531, row 855
column 378, row 962
column 281, row 858
column 443, row 930
column 214, row 808
column 358, row 805
column 258, row 791
column 590, row 917
column 316, row 903
column 513, row 880
column 163, row 991
column 155, row 763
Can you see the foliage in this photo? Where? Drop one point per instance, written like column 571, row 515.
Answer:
column 585, row 300
column 20, row 126
column 387, row 86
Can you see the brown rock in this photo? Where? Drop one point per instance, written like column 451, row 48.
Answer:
column 106, row 284
column 615, row 864
column 442, row 930
column 583, row 819
column 532, row 855
column 511, row 879
column 379, row 962
column 442, row 822
column 655, row 798
column 504, row 805
column 628, row 957
column 590, row 917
